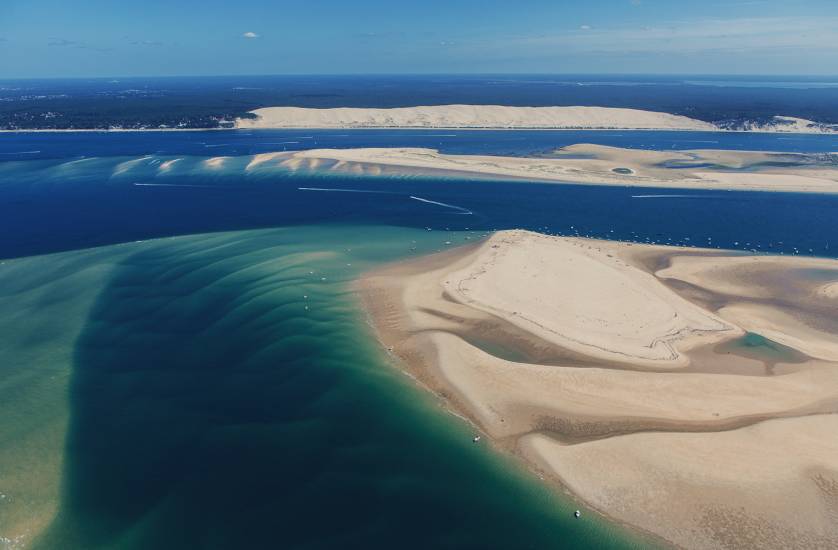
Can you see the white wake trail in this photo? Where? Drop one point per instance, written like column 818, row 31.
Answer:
column 462, row 210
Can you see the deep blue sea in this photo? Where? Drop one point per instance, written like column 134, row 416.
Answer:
column 74, row 145
column 72, row 190
column 183, row 363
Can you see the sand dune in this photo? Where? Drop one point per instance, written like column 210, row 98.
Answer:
column 499, row 116
column 470, row 116
column 620, row 371
column 597, row 306
column 788, row 124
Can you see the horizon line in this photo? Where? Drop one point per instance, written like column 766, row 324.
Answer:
column 429, row 74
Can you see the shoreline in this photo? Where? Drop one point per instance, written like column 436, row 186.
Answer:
column 427, row 337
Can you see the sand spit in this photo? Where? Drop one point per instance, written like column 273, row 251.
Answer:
column 470, row 116
column 594, row 165
column 628, row 373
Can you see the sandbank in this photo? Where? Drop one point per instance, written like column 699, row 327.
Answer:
column 619, row 371
column 588, row 164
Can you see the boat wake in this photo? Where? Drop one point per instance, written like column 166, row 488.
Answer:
column 460, row 209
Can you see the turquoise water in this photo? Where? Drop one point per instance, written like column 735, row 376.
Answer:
column 762, row 348
column 223, row 391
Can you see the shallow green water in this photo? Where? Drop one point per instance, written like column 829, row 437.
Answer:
column 223, row 391
column 759, row 347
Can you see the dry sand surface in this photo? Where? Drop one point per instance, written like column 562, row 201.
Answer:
column 470, row 116
column 633, row 375
column 507, row 117
column 588, row 164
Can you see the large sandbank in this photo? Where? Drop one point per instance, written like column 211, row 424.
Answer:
column 587, row 164
column 620, row 371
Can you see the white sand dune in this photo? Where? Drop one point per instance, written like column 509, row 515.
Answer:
column 788, row 124
column 470, row 116
column 598, row 305
column 508, row 117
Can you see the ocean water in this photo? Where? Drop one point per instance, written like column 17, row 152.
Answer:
column 222, row 391
column 183, row 363
column 213, row 143
column 105, row 196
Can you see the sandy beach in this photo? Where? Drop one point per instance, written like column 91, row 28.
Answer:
column 689, row 393
column 713, row 170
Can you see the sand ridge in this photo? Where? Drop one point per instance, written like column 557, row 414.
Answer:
column 709, row 170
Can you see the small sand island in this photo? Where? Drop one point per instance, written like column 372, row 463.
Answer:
column 690, row 393
column 587, row 164
column 510, row 117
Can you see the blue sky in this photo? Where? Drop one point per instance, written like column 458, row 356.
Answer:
column 55, row 38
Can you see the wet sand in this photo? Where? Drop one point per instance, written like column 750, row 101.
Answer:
column 689, row 393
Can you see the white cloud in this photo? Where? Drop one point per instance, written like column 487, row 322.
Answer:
column 250, row 34
column 585, row 27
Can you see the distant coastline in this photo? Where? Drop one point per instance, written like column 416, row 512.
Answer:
column 729, row 103
column 756, row 129
column 475, row 117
